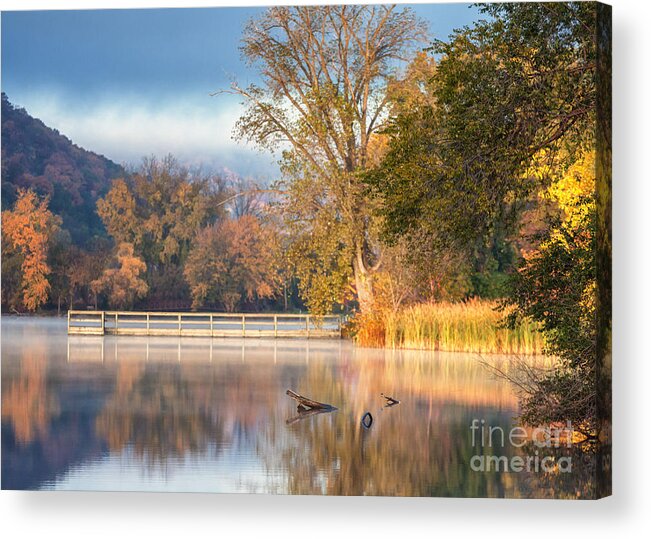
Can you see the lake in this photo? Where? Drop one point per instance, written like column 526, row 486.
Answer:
column 211, row 415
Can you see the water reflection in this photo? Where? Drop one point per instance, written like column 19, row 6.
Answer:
column 167, row 413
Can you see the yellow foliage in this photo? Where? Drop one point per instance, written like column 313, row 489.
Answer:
column 118, row 212
column 571, row 189
column 123, row 284
column 574, row 191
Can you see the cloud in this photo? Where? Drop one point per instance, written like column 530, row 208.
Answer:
column 195, row 130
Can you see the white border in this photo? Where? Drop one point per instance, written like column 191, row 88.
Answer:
column 67, row 515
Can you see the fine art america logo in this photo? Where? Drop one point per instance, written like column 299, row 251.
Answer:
column 543, row 440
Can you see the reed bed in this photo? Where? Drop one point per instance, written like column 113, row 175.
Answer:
column 471, row 326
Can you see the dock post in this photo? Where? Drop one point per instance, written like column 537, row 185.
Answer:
column 243, row 325
column 211, row 335
column 179, row 324
column 275, row 326
column 307, row 325
column 68, row 322
column 147, row 324
column 102, row 317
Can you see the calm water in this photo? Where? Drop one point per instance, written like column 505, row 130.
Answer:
column 191, row 414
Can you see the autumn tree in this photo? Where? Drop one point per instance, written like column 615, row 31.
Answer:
column 232, row 262
column 557, row 287
column 323, row 98
column 118, row 212
column 123, row 284
column 11, row 275
column 158, row 210
column 27, row 231
column 85, row 267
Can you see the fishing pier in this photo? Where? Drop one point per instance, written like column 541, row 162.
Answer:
column 188, row 324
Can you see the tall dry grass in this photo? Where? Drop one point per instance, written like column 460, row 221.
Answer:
column 471, row 326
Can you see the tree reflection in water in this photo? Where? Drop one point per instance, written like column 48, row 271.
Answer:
column 156, row 412
column 418, row 448
column 157, row 402
column 27, row 404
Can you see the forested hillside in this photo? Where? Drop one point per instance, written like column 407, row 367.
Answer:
column 38, row 157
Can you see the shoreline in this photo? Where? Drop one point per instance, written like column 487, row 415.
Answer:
column 357, row 345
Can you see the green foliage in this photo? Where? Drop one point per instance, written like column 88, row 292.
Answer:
column 504, row 89
column 493, row 262
column 12, row 261
column 556, row 287
column 160, row 208
column 490, row 283
column 60, row 256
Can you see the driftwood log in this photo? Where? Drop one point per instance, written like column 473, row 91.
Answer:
column 390, row 400
column 305, row 404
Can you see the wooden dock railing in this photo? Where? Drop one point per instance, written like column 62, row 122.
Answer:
column 203, row 324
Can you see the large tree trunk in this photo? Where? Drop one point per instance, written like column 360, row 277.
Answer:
column 364, row 286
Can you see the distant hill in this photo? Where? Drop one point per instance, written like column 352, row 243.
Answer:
column 36, row 156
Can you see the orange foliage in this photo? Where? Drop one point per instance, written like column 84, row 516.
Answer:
column 123, row 284
column 29, row 228
column 233, row 261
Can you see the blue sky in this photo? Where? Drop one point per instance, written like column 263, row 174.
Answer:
column 128, row 83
